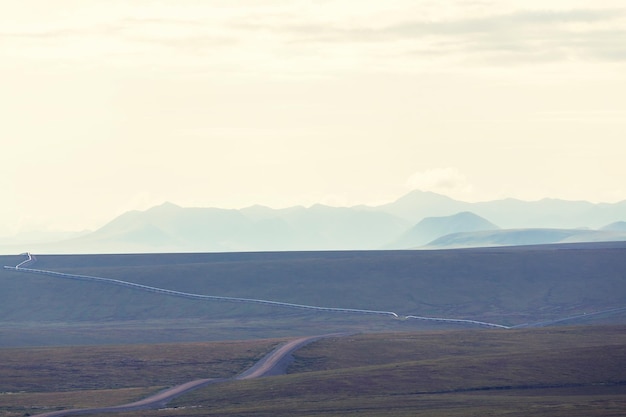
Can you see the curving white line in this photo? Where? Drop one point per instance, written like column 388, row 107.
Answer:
column 30, row 259
column 463, row 321
column 246, row 300
column 201, row 296
column 568, row 318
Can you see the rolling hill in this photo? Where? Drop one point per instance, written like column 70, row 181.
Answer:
column 573, row 371
column 515, row 237
column 615, row 227
column 510, row 286
column 558, row 373
column 432, row 228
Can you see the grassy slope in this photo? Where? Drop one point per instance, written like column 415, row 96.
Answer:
column 575, row 371
column 441, row 374
column 509, row 286
column 21, row 404
column 566, row 371
column 124, row 366
column 88, row 376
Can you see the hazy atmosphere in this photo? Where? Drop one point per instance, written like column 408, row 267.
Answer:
column 109, row 106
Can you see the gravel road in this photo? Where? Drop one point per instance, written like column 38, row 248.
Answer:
column 274, row 363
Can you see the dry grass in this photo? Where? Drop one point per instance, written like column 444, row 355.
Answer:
column 553, row 403
column 21, row 403
column 384, row 348
column 36, row 379
column 508, row 286
column 575, row 371
column 106, row 367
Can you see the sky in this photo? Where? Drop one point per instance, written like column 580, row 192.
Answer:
column 108, row 106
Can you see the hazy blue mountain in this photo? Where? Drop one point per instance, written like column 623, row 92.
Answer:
column 596, row 236
column 168, row 227
column 327, row 227
column 615, row 227
column 269, row 234
column 318, row 227
column 258, row 212
column 549, row 213
column 432, row 228
column 516, row 237
column 417, row 205
column 509, row 213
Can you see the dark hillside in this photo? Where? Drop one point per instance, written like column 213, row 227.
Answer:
column 510, row 286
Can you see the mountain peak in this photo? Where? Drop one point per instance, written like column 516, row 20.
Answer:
column 419, row 195
column 166, row 206
column 432, row 228
column 417, row 205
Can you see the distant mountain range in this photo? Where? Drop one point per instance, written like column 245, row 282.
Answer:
column 415, row 220
column 517, row 237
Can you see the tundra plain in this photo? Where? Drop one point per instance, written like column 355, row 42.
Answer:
column 518, row 286
column 557, row 371
column 69, row 343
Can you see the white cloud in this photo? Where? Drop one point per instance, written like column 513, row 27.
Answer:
column 449, row 181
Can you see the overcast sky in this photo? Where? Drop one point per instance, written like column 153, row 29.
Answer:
column 108, row 106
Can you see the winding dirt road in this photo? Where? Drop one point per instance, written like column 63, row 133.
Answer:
column 274, row 363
